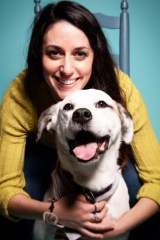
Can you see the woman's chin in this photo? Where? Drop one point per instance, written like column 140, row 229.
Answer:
column 63, row 94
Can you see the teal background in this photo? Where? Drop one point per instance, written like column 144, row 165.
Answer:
column 15, row 22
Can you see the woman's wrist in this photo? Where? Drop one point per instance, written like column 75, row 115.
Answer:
column 143, row 210
column 49, row 216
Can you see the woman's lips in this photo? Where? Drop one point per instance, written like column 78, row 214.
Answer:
column 66, row 81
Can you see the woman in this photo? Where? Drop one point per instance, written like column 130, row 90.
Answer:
column 68, row 51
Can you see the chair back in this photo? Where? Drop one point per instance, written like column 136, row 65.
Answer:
column 121, row 22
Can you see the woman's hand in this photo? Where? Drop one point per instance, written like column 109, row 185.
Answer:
column 106, row 232
column 143, row 210
column 75, row 211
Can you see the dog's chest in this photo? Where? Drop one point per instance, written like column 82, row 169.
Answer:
column 116, row 196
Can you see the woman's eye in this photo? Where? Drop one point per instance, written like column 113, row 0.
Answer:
column 68, row 107
column 102, row 104
column 80, row 55
column 54, row 54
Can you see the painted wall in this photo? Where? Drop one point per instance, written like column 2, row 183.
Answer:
column 16, row 19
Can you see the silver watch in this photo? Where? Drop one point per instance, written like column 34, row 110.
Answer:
column 51, row 219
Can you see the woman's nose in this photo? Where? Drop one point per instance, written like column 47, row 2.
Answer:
column 67, row 66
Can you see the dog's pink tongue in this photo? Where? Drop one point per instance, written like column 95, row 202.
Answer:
column 85, row 152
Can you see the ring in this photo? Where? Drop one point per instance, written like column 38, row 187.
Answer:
column 95, row 217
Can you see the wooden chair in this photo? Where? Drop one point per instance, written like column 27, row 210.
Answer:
column 121, row 22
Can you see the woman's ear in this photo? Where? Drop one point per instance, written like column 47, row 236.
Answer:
column 127, row 124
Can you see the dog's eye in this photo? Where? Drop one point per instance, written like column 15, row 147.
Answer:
column 101, row 104
column 68, row 106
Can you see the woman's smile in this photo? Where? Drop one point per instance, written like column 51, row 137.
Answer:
column 67, row 59
column 65, row 81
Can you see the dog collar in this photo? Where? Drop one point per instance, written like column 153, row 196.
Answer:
column 92, row 195
column 104, row 194
column 64, row 184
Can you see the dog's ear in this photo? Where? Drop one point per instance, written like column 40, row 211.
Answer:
column 127, row 124
column 47, row 120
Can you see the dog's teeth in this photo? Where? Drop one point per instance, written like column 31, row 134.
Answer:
column 86, row 146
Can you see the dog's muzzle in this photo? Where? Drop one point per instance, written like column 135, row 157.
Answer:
column 86, row 146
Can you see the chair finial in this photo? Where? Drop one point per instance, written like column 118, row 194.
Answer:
column 124, row 5
column 37, row 7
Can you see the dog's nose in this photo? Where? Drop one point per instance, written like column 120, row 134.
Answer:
column 82, row 115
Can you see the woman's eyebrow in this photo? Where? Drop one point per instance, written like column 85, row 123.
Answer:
column 60, row 48
column 52, row 46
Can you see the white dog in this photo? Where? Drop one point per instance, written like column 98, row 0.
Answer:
column 90, row 127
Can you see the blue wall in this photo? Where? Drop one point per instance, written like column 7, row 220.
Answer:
column 16, row 19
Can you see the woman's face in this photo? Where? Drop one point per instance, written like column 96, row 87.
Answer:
column 67, row 59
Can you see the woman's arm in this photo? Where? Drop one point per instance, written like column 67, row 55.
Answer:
column 17, row 120
column 73, row 211
column 145, row 145
column 143, row 210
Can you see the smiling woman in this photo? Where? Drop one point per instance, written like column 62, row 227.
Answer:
column 67, row 64
column 68, row 51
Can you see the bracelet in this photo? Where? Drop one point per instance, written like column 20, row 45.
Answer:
column 51, row 207
column 49, row 217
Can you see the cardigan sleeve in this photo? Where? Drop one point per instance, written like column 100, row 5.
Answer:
column 17, row 120
column 145, row 145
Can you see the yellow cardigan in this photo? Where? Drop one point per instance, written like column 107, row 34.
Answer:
column 18, row 119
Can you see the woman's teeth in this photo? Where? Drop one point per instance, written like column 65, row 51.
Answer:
column 67, row 82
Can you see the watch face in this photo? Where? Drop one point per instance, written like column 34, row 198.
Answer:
column 50, row 218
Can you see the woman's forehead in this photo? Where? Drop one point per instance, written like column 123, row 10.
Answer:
column 64, row 32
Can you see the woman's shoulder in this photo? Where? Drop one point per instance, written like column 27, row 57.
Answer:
column 16, row 99
column 128, row 87
column 125, row 81
column 16, row 90
column 18, row 84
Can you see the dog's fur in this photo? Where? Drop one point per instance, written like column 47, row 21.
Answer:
column 90, row 127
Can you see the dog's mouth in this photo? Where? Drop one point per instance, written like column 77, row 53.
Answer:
column 86, row 146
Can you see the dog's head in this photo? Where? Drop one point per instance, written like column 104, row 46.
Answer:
column 87, row 123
